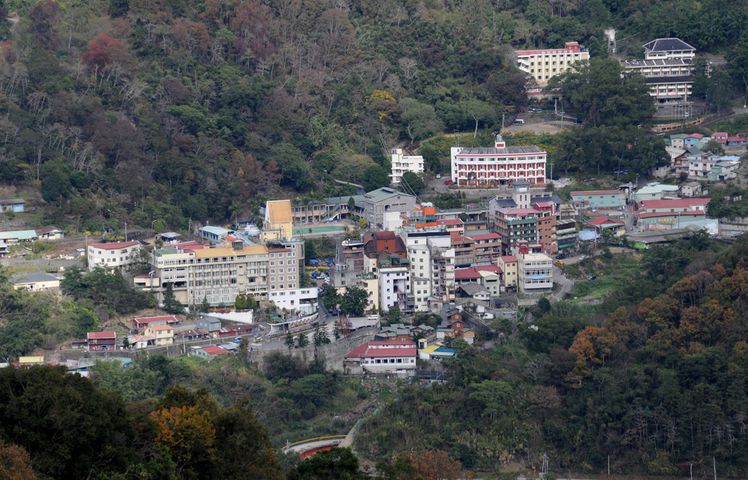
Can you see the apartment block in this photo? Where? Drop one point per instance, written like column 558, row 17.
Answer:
column 544, row 64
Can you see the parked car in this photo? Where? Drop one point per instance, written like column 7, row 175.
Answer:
column 560, row 256
column 519, row 121
column 448, row 182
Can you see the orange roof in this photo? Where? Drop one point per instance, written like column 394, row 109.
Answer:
column 429, row 211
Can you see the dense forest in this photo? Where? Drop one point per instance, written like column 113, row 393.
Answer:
column 658, row 383
column 157, row 112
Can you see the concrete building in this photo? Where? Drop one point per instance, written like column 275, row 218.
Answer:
column 534, row 271
column 655, row 215
column 278, row 223
column 510, row 268
column 667, row 69
column 302, row 300
column 402, row 163
column 50, row 232
column 161, row 334
column 382, row 201
column 544, row 64
column 214, row 234
column 219, row 274
column 385, row 357
column 431, row 258
column 497, row 165
column 113, row 255
column 394, row 283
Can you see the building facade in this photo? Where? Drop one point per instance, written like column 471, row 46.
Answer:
column 544, row 64
column 379, row 203
column 402, row 163
column 667, row 69
column 113, row 255
column 498, row 165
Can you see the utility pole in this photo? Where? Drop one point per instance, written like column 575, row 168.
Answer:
column 714, row 466
column 608, row 466
column 125, row 231
column 690, row 470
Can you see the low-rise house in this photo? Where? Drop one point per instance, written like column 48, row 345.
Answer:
column 50, row 232
column 724, row 169
column 97, row 341
column 11, row 237
column 616, row 228
column 720, row 137
column 4, row 249
column 210, row 352
column 475, row 291
column 113, row 254
column 655, row 191
column 161, row 334
column 139, row 342
column 736, row 140
column 434, row 351
column 30, row 361
column 12, row 205
column 214, row 234
column 143, row 322
column 690, row 189
column 386, row 357
column 35, row 281
column 595, row 199
column 208, row 323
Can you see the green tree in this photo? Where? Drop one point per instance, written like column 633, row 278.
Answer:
column 419, row 119
column 393, row 314
column 414, row 182
column 118, row 8
column 338, row 463
column 600, row 95
column 375, row 177
column 302, row 340
column 354, row 301
column 171, row 304
column 289, row 341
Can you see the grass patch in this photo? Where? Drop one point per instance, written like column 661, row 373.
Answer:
column 599, row 276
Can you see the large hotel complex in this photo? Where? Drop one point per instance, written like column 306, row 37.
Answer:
column 497, row 165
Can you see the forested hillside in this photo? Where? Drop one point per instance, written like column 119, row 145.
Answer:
column 198, row 109
column 655, row 385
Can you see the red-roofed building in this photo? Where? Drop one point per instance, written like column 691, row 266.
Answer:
column 602, row 224
column 96, row 341
column 464, row 249
column 720, row 137
column 210, row 352
column 736, row 140
column 383, row 357
column 674, row 214
column 113, row 255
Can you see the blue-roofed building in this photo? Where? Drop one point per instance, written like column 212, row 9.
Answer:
column 214, row 234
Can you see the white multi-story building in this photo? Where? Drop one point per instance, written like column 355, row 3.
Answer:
column 394, row 283
column 402, row 163
column 544, row 64
column 431, row 259
column 113, row 255
column 667, row 69
column 534, row 271
column 498, row 165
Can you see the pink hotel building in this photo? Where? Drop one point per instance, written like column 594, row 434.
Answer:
column 497, row 165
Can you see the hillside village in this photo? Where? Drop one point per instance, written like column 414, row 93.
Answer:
column 454, row 252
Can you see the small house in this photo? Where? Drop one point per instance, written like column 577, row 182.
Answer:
column 35, row 281
column 143, row 322
column 12, row 205
column 97, row 341
column 210, row 352
column 50, row 232
column 12, row 237
column 162, row 334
